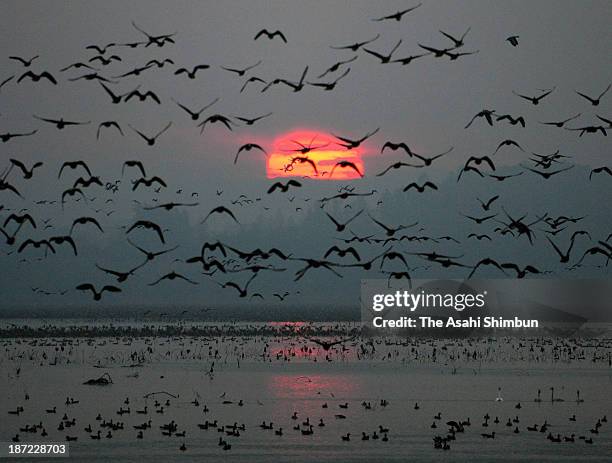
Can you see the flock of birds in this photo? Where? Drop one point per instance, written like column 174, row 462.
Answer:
column 219, row 259
column 167, row 414
column 31, row 234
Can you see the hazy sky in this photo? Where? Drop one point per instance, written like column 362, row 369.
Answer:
column 426, row 104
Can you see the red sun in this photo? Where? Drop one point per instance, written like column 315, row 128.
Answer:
column 313, row 154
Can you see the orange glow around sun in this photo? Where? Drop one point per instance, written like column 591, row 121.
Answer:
column 286, row 160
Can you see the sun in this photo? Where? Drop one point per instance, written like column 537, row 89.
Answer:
column 313, row 154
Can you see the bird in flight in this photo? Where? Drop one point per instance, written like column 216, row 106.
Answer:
column 284, row 187
column 36, row 77
column 195, row 115
column 350, row 144
column 345, row 164
column 249, row 147
column 270, row 35
column 594, row 101
column 341, row 226
column 191, row 73
column 220, row 210
column 384, row 59
column 60, row 123
column 151, row 140
column 251, row 121
column 486, row 113
column 398, row 15
column 26, row 62
column 535, row 100
column 243, row 71
column 513, row 40
column 357, row 45
column 457, row 42
column 97, row 295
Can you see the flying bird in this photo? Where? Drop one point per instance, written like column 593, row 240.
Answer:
column 97, row 295
column 341, row 226
column 355, row 46
column 594, row 101
column 350, row 144
column 420, row 188
column 151, row 140
column 384, row 59
column 60, row 123
column 398, row 15
column 36, row 77
column 148, row 225
column 248, row 147
column 220, row 210
column 513, row 40
column 195, row 115
column 191, row 73
column 284, row 187
column 457, row 42
column 84, row 221
column 345, row 164
column 241, row 72
column 535, row 100
column 26, row 62
column 270, row 35
column 173, row 276
column 27, row 173
column 107, row 125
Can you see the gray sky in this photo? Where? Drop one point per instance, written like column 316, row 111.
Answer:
column 426, row 104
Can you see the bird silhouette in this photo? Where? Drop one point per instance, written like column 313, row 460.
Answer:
column 599, row 170
column 142, row 96
column 60, row 124
column 457, row 42
column 350, row 144
column 195, row 115
column 25, row 61
column 343, row 165
column 220, row 210
column 283, row 187
column 216, row 118
column 384, row 59
column 37, row 77
column 84, row 221
column 242, row 71
column 97, row 295
column 341, row 226
column 336, row 66
column 535, row 100
column 420, row 188
column 561, row 123
column 172, row 276
column 107, row 125
column 147, row 225
column 513, row 40
column 270, row 35
column 398, row 15
column 151, row 140
column 594, row 101
column 148, row 182
column 357, row 45
column 27, row 173
column 249, row 147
